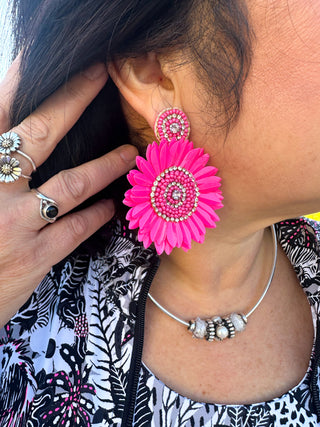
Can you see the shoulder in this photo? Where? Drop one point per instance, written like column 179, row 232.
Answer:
column 300, row 240
column 299, row 233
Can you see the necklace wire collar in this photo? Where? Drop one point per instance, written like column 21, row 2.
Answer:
column 219, row 328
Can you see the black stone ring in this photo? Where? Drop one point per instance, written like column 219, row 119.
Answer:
column 48, row 208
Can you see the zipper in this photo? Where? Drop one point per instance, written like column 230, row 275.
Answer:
column 314, row 386
column 136, row 358
column 135, row 365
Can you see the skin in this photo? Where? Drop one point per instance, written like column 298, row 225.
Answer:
column 263, row 163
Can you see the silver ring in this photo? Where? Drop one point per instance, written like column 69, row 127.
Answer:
column 10, row 170
column 48, row 207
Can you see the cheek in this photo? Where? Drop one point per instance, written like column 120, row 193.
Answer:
column 277, row 136
column 285, row 73
column 272, row 152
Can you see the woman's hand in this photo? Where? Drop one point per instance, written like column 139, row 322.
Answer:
column 30, row 246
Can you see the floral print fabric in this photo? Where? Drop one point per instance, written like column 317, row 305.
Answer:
column 65, row 356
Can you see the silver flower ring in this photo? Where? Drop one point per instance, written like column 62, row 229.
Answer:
column 10, row 170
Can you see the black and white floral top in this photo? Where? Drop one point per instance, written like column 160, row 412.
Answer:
column 71, row 356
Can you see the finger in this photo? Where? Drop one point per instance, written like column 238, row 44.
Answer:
column 8, row 88
column 47, row 248
column 72, row 187
column 61, row 238
column 46, row 126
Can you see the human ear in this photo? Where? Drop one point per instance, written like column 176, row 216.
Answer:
column 147, row 84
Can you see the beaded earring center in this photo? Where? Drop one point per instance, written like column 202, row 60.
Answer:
column 174, row 194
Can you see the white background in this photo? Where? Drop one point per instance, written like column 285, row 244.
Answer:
column 5, row 40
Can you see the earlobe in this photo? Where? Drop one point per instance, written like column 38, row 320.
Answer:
column 144, row 85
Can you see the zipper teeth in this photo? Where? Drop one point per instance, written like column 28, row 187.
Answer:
column 314, row 379
column 138, row 347
column 137, row 356
column 314, row 393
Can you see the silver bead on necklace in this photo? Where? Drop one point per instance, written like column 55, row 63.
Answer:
column 219, row 328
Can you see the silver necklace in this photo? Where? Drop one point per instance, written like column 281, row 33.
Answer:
column 219, row 328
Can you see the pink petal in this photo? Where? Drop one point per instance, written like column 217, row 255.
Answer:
column 185, row 248
column 140, row 209
column 161, row 233
column 178, row 151
column 178, row 231
column 153, row 146
column 210, row 183
column 138, row 200
column 138, row 192
column 198, row 222
column 136, row 196
column 167, row 247
column 213, row 199
column 195, row 234
column 131, row 176
column 191, row 157
column 171, row 235
column 156, row 225
column 145, row 238
column 164, row 154
column 153, row 156
column 146, row 217
column 206, row 171
column 149, row 151
column 186, row 235
column 141, row 179
column 146, row 241
column 129, row 203
column 139, row 189
column 209, row 210
column 201, row 238
column 205, row 218
column 134, row 223
column 148, row 227
column 127, row 199
column 173, row 153
column 146, row 168
column 129, row 215
column 159, row 247
column 185, row 147
column 199, row 164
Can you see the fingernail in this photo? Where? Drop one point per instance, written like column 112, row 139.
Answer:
column 95, row 71
column 128, row 153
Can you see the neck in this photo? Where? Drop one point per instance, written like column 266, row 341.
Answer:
column 223, row 274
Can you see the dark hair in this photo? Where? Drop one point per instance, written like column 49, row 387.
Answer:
column 59, row 38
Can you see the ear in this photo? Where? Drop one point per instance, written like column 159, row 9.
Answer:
column 147, row 84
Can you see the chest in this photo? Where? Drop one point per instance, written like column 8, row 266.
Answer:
column 266, row 360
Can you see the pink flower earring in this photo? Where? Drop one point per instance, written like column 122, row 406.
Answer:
column 174, row 193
